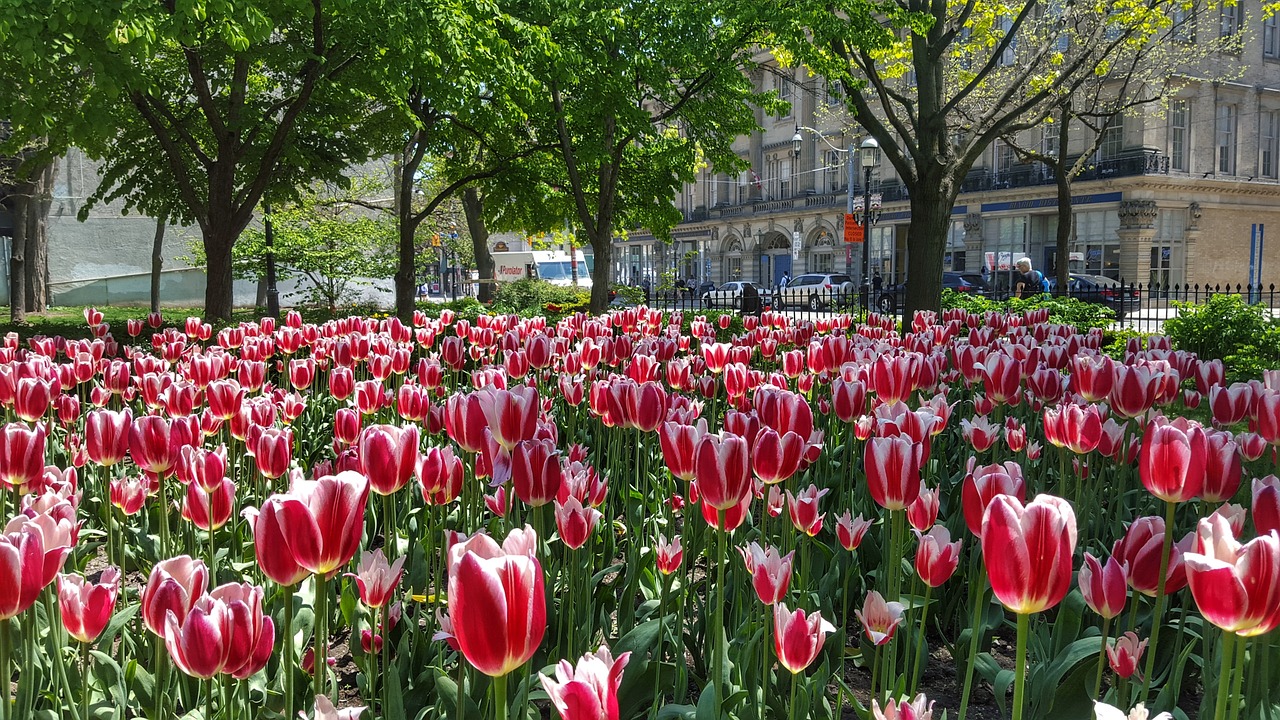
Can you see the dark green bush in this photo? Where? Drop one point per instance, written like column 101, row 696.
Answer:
column 532, row 297
column 1064, row 310
column 1218, row 327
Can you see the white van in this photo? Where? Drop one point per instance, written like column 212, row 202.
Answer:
column 550, row 265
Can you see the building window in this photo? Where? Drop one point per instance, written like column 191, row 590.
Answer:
column 1052, row 133
column 1005, row 157
column 821, row 262
column 783, row 86
column 744, row 186
column 1271, row 36
column 1010, row 54
column 834, row 163
column 1179, row 134
column 1226, row 127
column 784, row 180
column 1184, row 24
column 1230, row 20
column 1269, row 142
column 1112, row 142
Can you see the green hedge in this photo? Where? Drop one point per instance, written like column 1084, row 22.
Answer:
column 1225, row 327
column 1064, row 310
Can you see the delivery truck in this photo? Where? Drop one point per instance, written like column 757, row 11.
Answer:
column 553, row 266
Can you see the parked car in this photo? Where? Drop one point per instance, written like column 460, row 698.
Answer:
column 730, row 295
column 891, row 299
column 816, row 291
column 1101, row 290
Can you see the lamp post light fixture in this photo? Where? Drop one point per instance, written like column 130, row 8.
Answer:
column 870, row 151
column 870, row 156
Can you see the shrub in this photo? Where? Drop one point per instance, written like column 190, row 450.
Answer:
column 1217, row 328
column 1063, row 310
column 539, row 297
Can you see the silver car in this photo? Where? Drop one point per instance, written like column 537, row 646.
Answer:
column 816, row 291
column 730, row 295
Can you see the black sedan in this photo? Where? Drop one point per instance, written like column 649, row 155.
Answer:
column 1101, row 290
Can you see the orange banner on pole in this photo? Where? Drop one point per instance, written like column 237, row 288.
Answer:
column 852, row 230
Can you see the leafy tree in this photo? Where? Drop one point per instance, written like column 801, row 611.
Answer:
column 634, row 97
column 200, row 108
column 322, row 239
column 945, row 78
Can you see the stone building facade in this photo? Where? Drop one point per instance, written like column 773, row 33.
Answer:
column 1177, row 194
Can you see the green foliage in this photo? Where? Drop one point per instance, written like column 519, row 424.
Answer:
column 1226, row 327
column 1218, row 328
column 1064, row 310
column 532, row 297
column 629, row 293
column 1116, row 342
column 330, row 246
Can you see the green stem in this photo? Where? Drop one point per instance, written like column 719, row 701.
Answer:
column 975, row 635
column 719, row 640
column 1238, row 682
column 1149, row 674
column 795, row 684
column 1224, row 677
column 161, row 656
column 83, row 710
column 657, row 653
column 499, row 698
column 321, row 634
column 287, row 664
column 385, row 665
column 843, row 637
column 5, row 668
column 916, row 663
column 389, row 528
column 1020, row 667
column 875, row 675
column 1102, row 657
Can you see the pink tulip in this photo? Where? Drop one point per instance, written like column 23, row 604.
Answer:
column 173, row 588
column 1104, row 587
column 668, row 555
column 797, row 637
column 1234, row 584
column 803, row 509
column 209, row 510
column 1124, row 653
column 1173, row 458
column 1266, row 504
column 1028, row 551
column 770, row 571
column 376, row 579
column 575, row 523
column 225, row 632
column 893, row 471
column 921, row 708
column 589, row 690
column 936, row 556
column 923, row 513
column 850, row 531
column 879, row 619
column 388, row 456
column 496, row 601
column 86, row 607
column 321, row 520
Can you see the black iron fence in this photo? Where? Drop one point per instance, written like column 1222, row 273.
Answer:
column 1134, row 306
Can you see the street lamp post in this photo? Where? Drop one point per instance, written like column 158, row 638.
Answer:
column 273, row 293
column 870, row 150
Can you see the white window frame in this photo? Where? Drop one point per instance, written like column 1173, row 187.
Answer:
column 1179, row 135
column 1229, row 20
column 1225, row 126
column 1271, row 36
column 1269, row 144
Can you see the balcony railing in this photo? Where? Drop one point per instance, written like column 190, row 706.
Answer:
column 1145, row 161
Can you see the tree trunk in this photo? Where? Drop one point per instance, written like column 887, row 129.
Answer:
column 473, row 208
column 406, row 277
column 602, row 245
column 1061, row 271
column 157, row 262
column 931, row 203
column 218, row 291
column 37, row 255
column 18, row 258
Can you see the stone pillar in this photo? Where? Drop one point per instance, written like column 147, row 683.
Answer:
column 1137, row 229
column 973, row 257
column 1191, row 245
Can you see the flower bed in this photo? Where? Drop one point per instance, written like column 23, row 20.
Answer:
column 636, row 515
